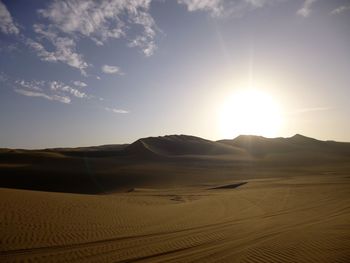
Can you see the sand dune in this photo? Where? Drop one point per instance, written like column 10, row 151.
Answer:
column 272, row 220
column 178, row 199
column 180, row 145
column 167, row 161
column 262, row 146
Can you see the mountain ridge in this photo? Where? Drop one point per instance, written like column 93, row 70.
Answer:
column 167, row 160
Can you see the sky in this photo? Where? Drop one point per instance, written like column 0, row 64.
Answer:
column 79, row 73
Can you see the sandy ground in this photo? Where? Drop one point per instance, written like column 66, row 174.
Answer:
column 301, row 219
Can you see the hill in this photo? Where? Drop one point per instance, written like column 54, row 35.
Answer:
column 261, row 146
column 180, row 145
column 174, row 160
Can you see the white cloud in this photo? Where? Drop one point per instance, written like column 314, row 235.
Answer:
column 111, row 70
column 340, row 9
column 305, row 10
column 51, row 90
column 64, row 48
column 79, row 83
column 215, row 7
column 3, row 77
column 68, row 21
column 114, row 110
column 64, row 53
column 41, row 51
column 7, row 25
column 103, row 20
column 61, row 87
column 148, row 47
column 225, row 7
column 63, row 99
column 32, row 85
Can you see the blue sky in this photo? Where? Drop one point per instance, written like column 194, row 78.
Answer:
column 78, row 73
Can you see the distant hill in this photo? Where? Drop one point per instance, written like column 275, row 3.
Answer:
column 176, row 145
column 261, row 146
column 92, row 151
column 172, row 160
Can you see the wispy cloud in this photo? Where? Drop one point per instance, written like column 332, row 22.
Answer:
column 65, row 48
column 103, row 20
column 115, row 110
column 3, row 77
column 215, row 7
column 58, row 86
column 63, row 99
column 218, row 8
column 305, row 10
column 311, row 109
column 7, row 25
column 51, row 90
column 62, row 24
column 79, row 83
column 54, row 91
column 111, row 70
column 9, row 48
column 341, row 9
column 69, row 21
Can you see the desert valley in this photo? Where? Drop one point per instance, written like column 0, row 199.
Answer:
column 178, row 199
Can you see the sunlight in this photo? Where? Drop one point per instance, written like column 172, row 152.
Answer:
column 250, row 111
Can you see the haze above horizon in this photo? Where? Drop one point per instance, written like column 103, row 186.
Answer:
column 79, row 73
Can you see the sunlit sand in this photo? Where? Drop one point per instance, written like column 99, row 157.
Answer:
column 184, row 208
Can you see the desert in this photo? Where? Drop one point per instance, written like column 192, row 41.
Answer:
column 174, row 131
column 216, row 204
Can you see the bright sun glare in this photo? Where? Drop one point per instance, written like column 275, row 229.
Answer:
column 252, row 112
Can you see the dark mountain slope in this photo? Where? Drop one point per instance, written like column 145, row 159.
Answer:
column 176, row 145
column 297, row 144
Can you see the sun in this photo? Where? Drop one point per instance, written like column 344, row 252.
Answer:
column 250, row 111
